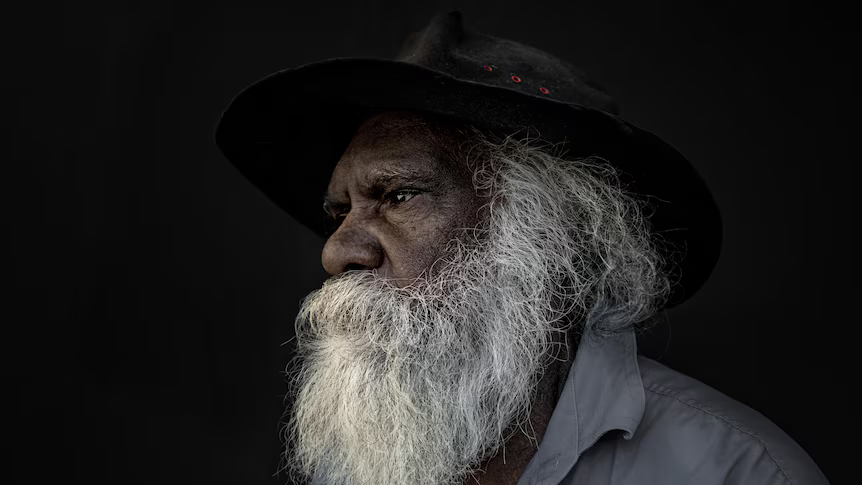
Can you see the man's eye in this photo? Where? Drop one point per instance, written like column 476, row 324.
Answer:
column 400, row 196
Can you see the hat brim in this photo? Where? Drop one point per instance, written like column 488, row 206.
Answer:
column 286, row 132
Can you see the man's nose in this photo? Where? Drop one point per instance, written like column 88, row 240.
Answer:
column 351, row 247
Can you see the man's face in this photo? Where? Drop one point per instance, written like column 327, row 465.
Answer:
column 427, row 343
column 398, row 200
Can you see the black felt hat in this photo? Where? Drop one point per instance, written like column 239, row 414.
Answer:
column 286, row 132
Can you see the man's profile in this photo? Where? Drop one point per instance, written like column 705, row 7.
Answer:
column 496, row 235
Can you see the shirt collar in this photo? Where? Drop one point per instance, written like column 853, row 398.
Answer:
column 603, row 392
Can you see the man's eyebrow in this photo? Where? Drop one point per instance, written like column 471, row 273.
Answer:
column 378, row 180
column 386, row 177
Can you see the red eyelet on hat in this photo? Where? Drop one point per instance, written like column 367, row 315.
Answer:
column 488, row 68
column 544, row 90
column 516, row 79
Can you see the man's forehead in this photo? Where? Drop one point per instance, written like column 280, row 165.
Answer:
column 395, row 147
column 398, row 153
column 374, row 162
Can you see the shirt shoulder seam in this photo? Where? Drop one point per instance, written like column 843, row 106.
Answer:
column 652, row 389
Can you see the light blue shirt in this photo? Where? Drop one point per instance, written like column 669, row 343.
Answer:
column 625, row 419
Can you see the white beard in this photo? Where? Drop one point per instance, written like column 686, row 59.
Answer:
column 418, row 385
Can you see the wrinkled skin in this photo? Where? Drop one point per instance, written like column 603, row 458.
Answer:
column 401, row 226
column 398, row 233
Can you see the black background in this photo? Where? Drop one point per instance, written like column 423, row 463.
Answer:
column 153, row 286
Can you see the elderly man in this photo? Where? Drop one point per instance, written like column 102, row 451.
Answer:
column 495, row 236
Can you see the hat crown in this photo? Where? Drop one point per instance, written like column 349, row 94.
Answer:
column 447, row 46
column 295, row 124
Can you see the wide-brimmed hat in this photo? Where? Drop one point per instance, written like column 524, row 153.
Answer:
column 286, row 132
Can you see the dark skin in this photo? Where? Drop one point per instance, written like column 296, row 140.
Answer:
column 399, row 199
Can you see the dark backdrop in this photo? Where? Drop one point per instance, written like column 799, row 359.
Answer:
column 153, row 286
